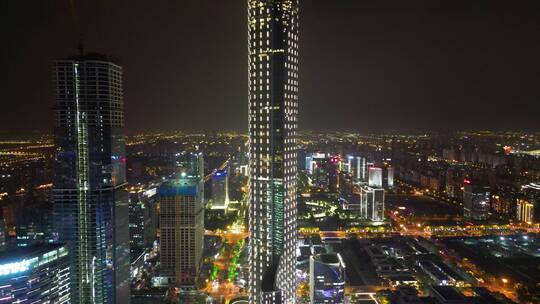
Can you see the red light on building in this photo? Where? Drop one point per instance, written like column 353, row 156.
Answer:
column 466, row 181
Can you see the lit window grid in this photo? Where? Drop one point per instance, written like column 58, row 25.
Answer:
column 261, row 61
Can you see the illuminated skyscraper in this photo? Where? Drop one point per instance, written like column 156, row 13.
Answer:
column 375, row 177
column 372, row 203
column 273, row 109
column 90, row 201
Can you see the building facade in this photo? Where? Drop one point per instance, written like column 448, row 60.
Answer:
column 388, row 178
column 35, row 274
column 525, row 211
column 220, row 189
column 273, row 109
column 375, row 177
column 476, row 202
column 372, row 203
column 361, row 172
column 528, row 205
column 181, row 220
column 90, row 201
column 327, row 279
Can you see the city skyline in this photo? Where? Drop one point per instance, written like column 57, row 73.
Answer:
column 367, row 188
column 420, row 65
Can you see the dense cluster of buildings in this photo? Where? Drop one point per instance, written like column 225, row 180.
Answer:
column 490, row 181
column 83, row 223
column 360, row 184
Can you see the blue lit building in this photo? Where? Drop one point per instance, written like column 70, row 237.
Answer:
column 326, row 279
column 89, row 196
column 35, row 274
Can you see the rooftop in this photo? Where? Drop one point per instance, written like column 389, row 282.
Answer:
column 182, row 186
column 327, row 258
column 20, row 253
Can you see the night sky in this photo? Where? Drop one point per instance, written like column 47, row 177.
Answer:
column 365, row 65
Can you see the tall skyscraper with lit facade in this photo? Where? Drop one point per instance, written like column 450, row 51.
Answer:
column 273, row 109
column 90, row 201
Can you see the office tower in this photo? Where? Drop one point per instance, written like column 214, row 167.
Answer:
column 327, row 279
column 388, row 178
column 348, row 165
column 527, row 205
column 35, row 226
column 137, row 219
column 346, row 188
column 525, row 211
column 372, row 203
column 375, row 177
column 89, row 196
column 326, row 173
column 333, row 170
column 273, row 109
column 361, row 173
column 320, row 173
column 309, row 164
column 220, row 189
column 181, row 220
column 476, row 201
column 35, row 274
column 151, row 217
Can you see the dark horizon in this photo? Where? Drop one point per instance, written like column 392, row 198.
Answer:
column 364, row 66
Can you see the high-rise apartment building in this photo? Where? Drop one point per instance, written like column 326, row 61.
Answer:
column 273, row 109
column 181, row 220
column 90, row 202
column 476, row 201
